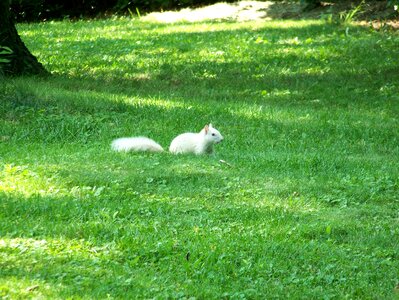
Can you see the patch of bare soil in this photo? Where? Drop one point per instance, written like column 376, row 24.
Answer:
column 376, row 13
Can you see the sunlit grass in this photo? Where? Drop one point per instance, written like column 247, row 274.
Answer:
column 303, row 204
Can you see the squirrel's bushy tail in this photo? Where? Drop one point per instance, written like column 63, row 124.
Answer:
column 136, row 144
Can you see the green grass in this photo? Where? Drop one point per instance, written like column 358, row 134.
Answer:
column 307, row 209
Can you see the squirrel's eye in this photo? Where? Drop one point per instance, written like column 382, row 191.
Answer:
column 213, row 134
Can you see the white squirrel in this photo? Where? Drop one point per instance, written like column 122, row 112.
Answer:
column 189, row 142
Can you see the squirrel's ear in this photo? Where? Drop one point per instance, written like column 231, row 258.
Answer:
column 210, row 125
column 206, row 128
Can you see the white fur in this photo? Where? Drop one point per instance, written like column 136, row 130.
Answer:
column 136, row 144
column 197, row 143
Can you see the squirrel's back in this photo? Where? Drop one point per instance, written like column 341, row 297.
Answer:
column 185, row 143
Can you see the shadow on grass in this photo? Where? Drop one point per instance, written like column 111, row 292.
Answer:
column 301, row 61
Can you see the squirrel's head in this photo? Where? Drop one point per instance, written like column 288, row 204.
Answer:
column 212, row 134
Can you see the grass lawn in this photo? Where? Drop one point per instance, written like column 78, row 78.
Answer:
column 306, row 208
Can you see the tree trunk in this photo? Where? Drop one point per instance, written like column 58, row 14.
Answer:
column 20, row 61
